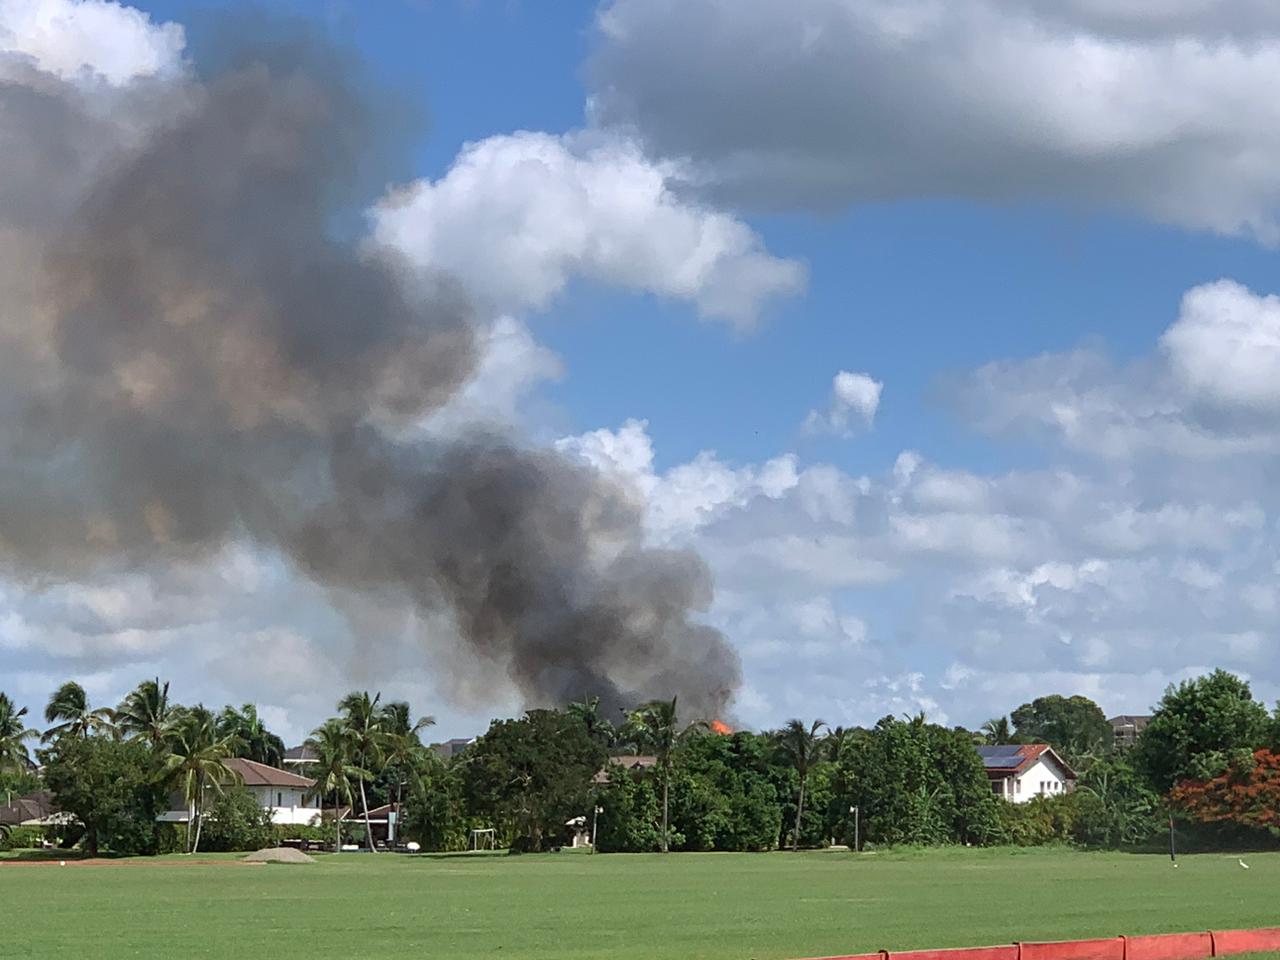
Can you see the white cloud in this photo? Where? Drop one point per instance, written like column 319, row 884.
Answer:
column 855, row 397
column 511, row 366
column 1210, row 392
column 1163, row 109
column 517, row 217
column 84, row 40
column 1225, row 346
column 687, row 496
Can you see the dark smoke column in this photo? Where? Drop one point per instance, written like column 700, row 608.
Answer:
column 216, row 366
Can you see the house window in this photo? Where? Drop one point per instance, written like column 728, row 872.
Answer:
column 1017, row 785
column 279, row 799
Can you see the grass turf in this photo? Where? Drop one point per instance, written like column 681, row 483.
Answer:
column 564, row 906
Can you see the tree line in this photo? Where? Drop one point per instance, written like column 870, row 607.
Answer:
column 657, row 781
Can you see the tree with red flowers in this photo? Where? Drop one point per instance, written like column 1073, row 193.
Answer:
column 1248, row 794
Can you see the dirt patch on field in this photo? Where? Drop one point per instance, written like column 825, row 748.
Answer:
column 278, row 855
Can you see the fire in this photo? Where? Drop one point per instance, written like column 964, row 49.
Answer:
column 720, row 727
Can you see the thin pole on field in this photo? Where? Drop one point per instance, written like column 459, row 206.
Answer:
column 1173, row 848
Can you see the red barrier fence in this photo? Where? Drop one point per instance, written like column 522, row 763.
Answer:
column 1226, row 942
column 1162, row 946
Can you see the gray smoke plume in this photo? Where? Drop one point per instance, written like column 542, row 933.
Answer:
column 191, row 356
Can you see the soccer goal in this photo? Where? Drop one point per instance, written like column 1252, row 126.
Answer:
column 484, row 839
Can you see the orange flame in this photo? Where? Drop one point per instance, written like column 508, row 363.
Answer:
column 720, row 727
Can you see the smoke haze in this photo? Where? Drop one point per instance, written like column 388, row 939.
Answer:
column 191, row 357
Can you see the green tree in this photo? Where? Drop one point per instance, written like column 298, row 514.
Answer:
column 237, row 821
column 1199, row 728
column 1128, row 813
column 249, row 736
column 364, row 721
column 998, row 732
column 14, row 734
column 111, row 787
column 598, row 728
column 403, row 750
column 655, row 726
column 801, row 746
column 145, row 713
column 1074, row 726
column 728, row 793
column 435, row 812
column 531, row 775
column 68, row 710
column 194, row 765
column 916, row 782
column 335, row 769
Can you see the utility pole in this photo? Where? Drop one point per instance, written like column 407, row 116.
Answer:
column 854, row 810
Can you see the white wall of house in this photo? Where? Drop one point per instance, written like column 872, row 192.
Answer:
column 1042, row 778
column 288, row 805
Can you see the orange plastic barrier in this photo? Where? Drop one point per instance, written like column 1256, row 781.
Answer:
column 1169, row 946
column 1245, row 941
column 1112, row 948
column 1162, row 946
column 1007, row 951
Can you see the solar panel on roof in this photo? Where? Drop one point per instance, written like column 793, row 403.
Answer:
column 1004, row 750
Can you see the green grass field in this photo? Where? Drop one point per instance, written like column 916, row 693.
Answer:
column 682, row 907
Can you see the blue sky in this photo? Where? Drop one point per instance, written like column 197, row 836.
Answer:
column 1064, row 484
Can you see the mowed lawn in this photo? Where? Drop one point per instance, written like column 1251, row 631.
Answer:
column 681, row 907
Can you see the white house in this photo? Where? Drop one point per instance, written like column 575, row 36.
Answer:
column 281, row 792
column 1019, row 773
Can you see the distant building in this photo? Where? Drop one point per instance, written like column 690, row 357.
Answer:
column 32, row 810
column 286, row 795
column 624, row 763
column 1020, row 772
column 451, row 748
column 300, row 759
column 1127, row 728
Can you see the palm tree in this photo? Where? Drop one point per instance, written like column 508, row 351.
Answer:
column 598, row 728
column 195, row 766
column 655, row 726
column 997, row 732
column 145, row 713
column 364, row 722
column 802, row 747
column 334, row 770
column 13, row 736
column 250, row 737
column 402, row 747
column 838, row 742
column 70, row 705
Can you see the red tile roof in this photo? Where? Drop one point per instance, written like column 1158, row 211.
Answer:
column 1028, row 754
column 257, row 774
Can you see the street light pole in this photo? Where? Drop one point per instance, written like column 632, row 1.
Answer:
column 854, row 811
column 594, row 816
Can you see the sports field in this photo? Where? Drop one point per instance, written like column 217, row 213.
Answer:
column 681, row 907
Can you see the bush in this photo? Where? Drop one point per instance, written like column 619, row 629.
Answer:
column 236, row 821
column 21, row 838
column 318, row 834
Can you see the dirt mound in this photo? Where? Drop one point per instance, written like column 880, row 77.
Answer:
column 279, row 855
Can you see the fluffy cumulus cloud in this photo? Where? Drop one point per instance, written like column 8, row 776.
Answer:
column 1225, row 346
column 1135, row 560
column 88, row 40
column 1210, row 390
column 686, row 497
column 855, row 397
column 517, row 217
column 1162, row 108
